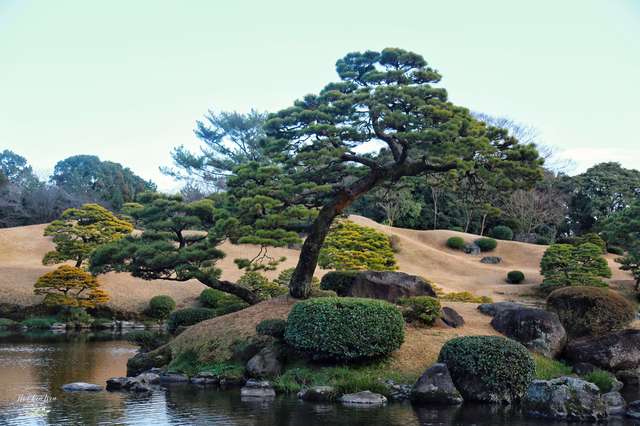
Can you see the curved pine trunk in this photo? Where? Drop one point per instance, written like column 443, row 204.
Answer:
column 242, row 292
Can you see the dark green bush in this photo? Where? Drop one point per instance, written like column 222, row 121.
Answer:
column 488, row 368
column 541, row 240
column 148, row 340
column 501, row 232
column 338, row 281
column 39, row 322
column 565, row 265
column 161, row 306
column 602, row 379
column 486, row 244
column 223, row 303
column 456, row 243
column 590, row 311
column 592, row 238
column 616, row 250
column 345, row 329
column 515, row 277
column 423, row 309
column 261, row 285
column 188, row 316
column 272, row 327
column 75, row 315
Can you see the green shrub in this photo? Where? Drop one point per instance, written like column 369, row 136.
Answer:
column 148, row 340
column 75, row 315
column 39, row 322
column 423, row 309
column 7, row 323
column 592, row 238
column 210, row 297
column 565, row 265
column 515, row 277
column 223, row 303
column 616, row 250
column 272, row 327
column 318, row 292
column 547, row 368
column 345, row 329
column 501, row 232
column 161, row 306
column 541, row 240
column 349, row 246
column 590, row 311
column 602, row 379
column 284, row 278
column 189, row 316
column 496, row 365
column 338, row 281
column 456, row 243
column 486, row 244
column 465, row 296
column 261, row 285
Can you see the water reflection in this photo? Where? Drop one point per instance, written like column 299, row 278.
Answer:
column 40, row 363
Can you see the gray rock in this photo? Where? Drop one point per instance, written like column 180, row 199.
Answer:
column 317, row 394
column 492, row 309
column 265, row 363
column 58, row 326
column 363, row 398
column 205, row 378
column 565, row 398
column 473, row 249
column 81, row 387
column 257, row 389
column 451, row 318
column 117, row 383
column 633, row 409
column 436, row 387
column 612, row 352
column 148, row 378
column 389, row 286
column 398, row 391
column 173, row 378
column 491, row 260
column 540, row 331
column 615, row 403
column 629, row 377
column 143, row 383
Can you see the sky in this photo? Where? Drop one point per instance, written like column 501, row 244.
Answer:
column 126, row 80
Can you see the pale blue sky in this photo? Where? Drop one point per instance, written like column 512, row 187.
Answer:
column 126, row 80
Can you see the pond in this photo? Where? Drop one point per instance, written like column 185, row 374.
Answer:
column 33, row 367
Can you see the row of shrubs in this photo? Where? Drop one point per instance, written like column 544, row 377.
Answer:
column 485, row 244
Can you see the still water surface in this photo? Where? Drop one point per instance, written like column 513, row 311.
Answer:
column 33, row 367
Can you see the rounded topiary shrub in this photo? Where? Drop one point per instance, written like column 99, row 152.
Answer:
column 421, row 309
column 345, row 329
column 515, row 277
column 615, row 250
column 590, row 311
column 486, row 244
column 592, row 238
column 223, row 303
column 488, row 368
column 338, row 281
column 188, row 316
column 161, row 306
column 210, row 297
column 456, row 243
column 272, row 327
column 501, row 232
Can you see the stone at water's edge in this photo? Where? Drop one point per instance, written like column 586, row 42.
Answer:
column 540, row 331
column 633, row 409
column 317, row 394
column 615, row 403
column 363, row 398
column 492, row 309
column 173, row 378
column 436, row 387
column 257, row 389
column 629, row 377
column 265, row 363
column 81, row 387
column 565, row 398
column 613, row 352
column 451, row 318
column 389, row 286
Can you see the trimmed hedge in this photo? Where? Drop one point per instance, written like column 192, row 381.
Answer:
column 515, row 277
column 488, row 368
column 590, row 311
column 272, row 327
column 189, row 316
column 223, row 303
column 501, row 232
column 615, row 250
column 456, row 243
column 345, row 329
column 161, row 306
column 338, row 281
column 486, row 244
column 424, row 309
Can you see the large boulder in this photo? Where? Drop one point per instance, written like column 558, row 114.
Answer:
column 540, row 331
column 565, row 398
column 492, row 309
column 265, row 363
column 613, row 352
column 491, row 260
column 451, row 318
column 436, row 387
column 318, row 394
column 389, row 286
